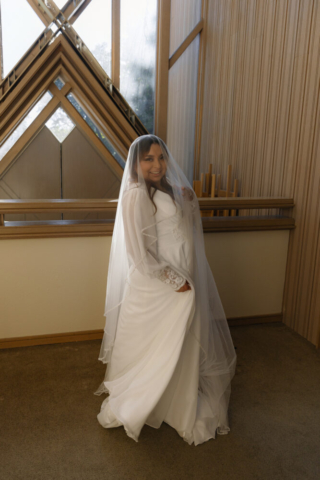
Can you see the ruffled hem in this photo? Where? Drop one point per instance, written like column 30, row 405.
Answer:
column 108, row 419
column 197, row 439
column 206, row 426
column 200, row 434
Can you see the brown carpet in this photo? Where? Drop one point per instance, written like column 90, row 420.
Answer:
column 49, row 428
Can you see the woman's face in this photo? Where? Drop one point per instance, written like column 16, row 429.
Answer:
column 153, row 164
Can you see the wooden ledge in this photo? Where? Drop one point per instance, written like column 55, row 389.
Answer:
column 93, row 228
column 236, row 224
column 101, row 204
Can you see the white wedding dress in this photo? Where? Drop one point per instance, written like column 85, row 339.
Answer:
column 153, row 374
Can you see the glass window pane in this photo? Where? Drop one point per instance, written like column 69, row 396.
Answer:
column 60, row 124
column 21, row 26
column 31, row 116
column 182, row 101
column 94, row 27
column 60, row 3
column 138, row 57
column 59, row 83
column 95, row 129
column 183, row 24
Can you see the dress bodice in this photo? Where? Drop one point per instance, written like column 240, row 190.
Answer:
column 173, row 242
column 168, row 217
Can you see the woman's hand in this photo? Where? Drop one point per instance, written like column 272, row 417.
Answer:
column 187, row 193
column 184, row 287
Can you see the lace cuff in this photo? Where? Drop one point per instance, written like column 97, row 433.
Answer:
column 171, row 277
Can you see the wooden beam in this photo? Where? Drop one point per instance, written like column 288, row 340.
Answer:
column 87, row 62
column 28, row 100
column 60, row 93
column 23, row 65
column 162, row 69
column 43, row 17
column 185, row 44
column 120, row 130
column 115, row 49
column 61, row 58
column 88, row 58
column 91, row 91
column 88, row 133
column 72, row 11
column 1, row 48
column 103, row 118
column 102, row 111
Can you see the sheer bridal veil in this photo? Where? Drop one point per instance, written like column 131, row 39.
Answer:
column 136, row 207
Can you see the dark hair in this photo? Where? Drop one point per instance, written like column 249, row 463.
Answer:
column 141, row 147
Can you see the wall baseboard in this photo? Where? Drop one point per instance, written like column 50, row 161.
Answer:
column 255, row 319
column 51, row 338
column 67, row 337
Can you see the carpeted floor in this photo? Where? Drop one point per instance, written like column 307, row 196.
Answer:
column 49, row 428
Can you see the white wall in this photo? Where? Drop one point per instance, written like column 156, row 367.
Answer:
column 58, row 285
column 249, row 269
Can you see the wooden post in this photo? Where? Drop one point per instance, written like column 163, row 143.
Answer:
column 235, row 194
column 202, row 185
column 213, row 188
column 115, row 48
column 228, row 189
column 162, row 69
column 1, row 49
column 197, row 188
column 213, row 185
column 207, row 188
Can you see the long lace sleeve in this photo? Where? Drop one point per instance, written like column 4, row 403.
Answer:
column 171, row 277
column 141, row 239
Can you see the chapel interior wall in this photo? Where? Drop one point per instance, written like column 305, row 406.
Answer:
column 56, row 285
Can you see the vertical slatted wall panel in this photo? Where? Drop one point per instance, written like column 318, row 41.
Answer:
column 303, row 183
column 261, row 114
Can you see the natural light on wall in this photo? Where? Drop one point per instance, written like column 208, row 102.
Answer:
column 26, row 122
column 20, row 28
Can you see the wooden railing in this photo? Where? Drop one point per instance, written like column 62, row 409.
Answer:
column 62, row 228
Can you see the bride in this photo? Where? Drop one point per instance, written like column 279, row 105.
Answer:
column 166, row 341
